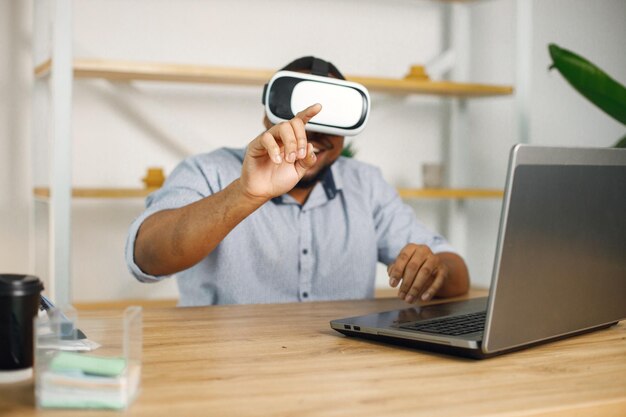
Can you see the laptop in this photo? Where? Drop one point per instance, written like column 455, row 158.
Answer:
column 560, row 263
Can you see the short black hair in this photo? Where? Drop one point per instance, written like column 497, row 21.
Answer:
column 317, row 66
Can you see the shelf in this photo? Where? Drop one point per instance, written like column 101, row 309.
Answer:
column 443, row 193
column 426, row 87
column 43, row 69
column 450, row 193
column 130, row 71
column 44, row 193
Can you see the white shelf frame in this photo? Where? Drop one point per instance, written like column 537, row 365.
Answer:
column 59, row 104
column 60, row 80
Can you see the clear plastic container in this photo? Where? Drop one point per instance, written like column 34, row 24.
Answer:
column 93, row 361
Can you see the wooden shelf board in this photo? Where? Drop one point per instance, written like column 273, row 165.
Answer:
column 43, row 193
column 43, row 69
column 450, row 193
column 120, row 304
column 446, row 193
column 441, row 88
column 130, row 71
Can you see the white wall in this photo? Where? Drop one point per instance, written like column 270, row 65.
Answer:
column 559, row 115
column 595, row 30
column 15, row 67
column 121, row 129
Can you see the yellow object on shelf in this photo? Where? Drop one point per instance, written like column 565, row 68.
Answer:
column 417, row 72
column 154, row 178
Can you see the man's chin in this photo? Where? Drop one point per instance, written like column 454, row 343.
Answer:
column 310, row 179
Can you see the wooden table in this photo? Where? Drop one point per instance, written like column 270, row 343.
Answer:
column 284, row 360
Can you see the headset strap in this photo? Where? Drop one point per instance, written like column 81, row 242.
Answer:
column 319, row 67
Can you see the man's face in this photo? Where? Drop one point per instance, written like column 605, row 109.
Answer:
column 327, row 149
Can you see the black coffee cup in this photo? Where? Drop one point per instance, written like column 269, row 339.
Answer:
column 19, row 303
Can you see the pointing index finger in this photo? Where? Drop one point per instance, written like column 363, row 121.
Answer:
column 310, row 112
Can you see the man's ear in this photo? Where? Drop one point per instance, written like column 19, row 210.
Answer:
column 267, row 123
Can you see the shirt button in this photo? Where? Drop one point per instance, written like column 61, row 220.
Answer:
column 305, row 251
column 305, row 294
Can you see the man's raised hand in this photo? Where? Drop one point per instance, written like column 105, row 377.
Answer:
column 277, row 159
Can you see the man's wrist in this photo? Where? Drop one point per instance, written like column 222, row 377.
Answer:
column 246, row 196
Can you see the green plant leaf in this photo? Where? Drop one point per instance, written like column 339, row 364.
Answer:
column 348, row 151
column 590, row 81
column 621, row 143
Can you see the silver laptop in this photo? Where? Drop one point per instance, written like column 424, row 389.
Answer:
column 560, row 264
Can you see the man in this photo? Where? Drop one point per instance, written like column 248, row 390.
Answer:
column 287, row 219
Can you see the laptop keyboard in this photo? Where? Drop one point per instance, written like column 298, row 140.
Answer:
column 451, row 326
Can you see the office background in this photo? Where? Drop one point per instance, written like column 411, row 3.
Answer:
column 121, row 129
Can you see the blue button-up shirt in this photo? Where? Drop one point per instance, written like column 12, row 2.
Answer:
column 326, row 249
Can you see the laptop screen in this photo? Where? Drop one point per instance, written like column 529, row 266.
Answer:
column 561, row 263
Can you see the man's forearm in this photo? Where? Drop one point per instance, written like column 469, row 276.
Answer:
column 173, row 240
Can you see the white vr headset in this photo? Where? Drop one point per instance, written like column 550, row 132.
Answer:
column 345, row 104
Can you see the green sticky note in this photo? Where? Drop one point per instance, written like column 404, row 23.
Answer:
column 89, row 364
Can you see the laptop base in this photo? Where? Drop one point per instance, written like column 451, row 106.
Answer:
column 459, row 351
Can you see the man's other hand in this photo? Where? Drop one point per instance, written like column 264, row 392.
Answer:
column 424, row 274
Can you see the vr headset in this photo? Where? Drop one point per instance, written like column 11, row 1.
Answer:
column 345, row 104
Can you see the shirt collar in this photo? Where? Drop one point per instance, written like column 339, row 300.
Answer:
column 331, row 183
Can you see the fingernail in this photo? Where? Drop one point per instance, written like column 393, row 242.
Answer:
column 393, row 282
column 401, row 294
column 425, row 296
column 277, row 158
column 409, row 299
column 291, row 157
column 301, row 152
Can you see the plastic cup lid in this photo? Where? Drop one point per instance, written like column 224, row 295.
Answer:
column 19, row 285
